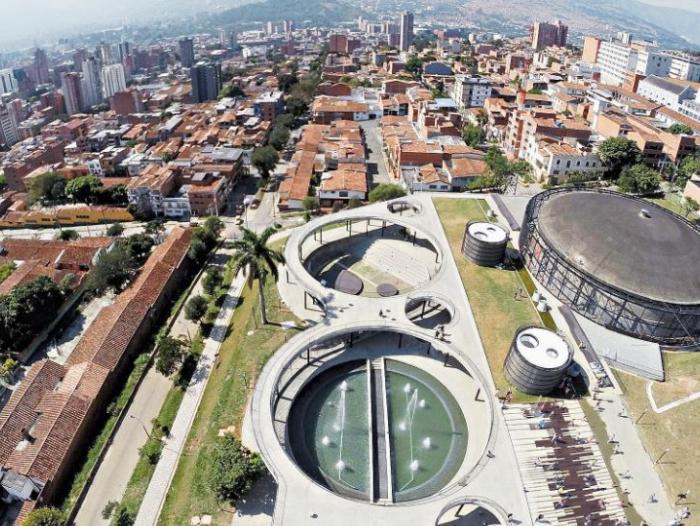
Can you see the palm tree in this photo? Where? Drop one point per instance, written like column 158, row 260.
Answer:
column 253, row 255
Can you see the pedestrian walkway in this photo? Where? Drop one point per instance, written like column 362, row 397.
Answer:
column 121, row 458
column 175, row 443
column 639, row 477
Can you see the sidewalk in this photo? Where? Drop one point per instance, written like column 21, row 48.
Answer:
column 122, row 456
column 175, row 443
column 643, row 479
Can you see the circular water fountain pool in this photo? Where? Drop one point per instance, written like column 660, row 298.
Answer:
column 383, row 431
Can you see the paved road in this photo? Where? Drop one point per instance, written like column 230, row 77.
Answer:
column 121, row 458
column 376, row 166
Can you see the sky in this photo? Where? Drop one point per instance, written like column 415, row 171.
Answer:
column 31, row 21
column 691, row 5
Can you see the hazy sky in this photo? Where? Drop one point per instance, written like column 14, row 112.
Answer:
column 691, row 5
column 35, row 20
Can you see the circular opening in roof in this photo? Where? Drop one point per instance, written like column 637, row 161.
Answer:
column 529, row 341
column 491, row 229
column 644, row 213
column 481, row 235
column 552, row 353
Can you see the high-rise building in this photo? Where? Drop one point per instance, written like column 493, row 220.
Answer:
column 113, row 80
column 70, row 86
column 41, row 66
column 545, row 34
column 406, row 31
column 79, row 56
column 91, row 83
column 8, row 127
column 105, row 53
column 186, row 52
column 124, row 51
column 206, row 81
column 8, row 82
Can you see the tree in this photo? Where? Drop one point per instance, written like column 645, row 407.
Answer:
column 196, row 308
column 473, row 135
column 639, row 179
column 296, row 105
column 46, row 187
column 3, row 183
column 27, row 310
column 235, row 469
column 386, row 192
column 231, row 90
column 83, row 189
column 115, row 230
column 617, row 153
column 212, row 227
column 285, row 120
column 67, row 234
column 113, row 270
column 7, row 369
column 690, row 206
column 253, row 255
column 212, row 280
column 171, row 352
column 45, row 517
column 137, row 247
column 687, row 169
column 155, row 228
column 279, row 138
column 124, row 517
column 310, row 204
column 265, row 159
column 680, row 129
column 6, row 269
column 414, row 65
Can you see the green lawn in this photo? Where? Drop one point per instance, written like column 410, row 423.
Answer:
column 242, row 356
column 498, row 298
column 669, row 202
column 676, row 429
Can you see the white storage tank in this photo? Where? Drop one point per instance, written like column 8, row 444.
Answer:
column 537, row 360
column 485, row 243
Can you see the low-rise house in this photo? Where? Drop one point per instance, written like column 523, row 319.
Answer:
column 325, row 110
column 342, row 185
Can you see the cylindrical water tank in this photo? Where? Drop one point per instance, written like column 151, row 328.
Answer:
column 537, row 360
column 484, row 243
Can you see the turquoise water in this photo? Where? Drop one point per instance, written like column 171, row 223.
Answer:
column 329, row 431
column 427, row 432
column 341, row 417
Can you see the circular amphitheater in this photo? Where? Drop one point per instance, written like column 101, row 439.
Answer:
column 620, row 261
column 370, row 256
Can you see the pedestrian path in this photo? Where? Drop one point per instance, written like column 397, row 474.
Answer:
column 175, row 443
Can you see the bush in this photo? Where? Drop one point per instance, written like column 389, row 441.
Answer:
column 212, row 280
column 236, row 469
column 386, row 192
column 45, row 517
column 124, row 517
column 151, row 451
column 115, row 230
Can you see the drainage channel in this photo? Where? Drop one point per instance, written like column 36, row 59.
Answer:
column 381, row 482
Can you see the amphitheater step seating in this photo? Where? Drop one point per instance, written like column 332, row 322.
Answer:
column 397, row 263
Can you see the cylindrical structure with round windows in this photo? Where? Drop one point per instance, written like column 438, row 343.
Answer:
column 537, row 360
column 484, row 243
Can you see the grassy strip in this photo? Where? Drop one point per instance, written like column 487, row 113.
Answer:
column 676, row 429
column 492, row 292
column 243, row 354
column 102, row 439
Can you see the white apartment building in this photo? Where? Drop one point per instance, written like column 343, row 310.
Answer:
column 471, row 91
column 8, row 83
column 8, row 128
column 685, row 68
column 651, row 61
column 615, row 59
column 666, row 92
column 113, row 80
column 554, row 162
